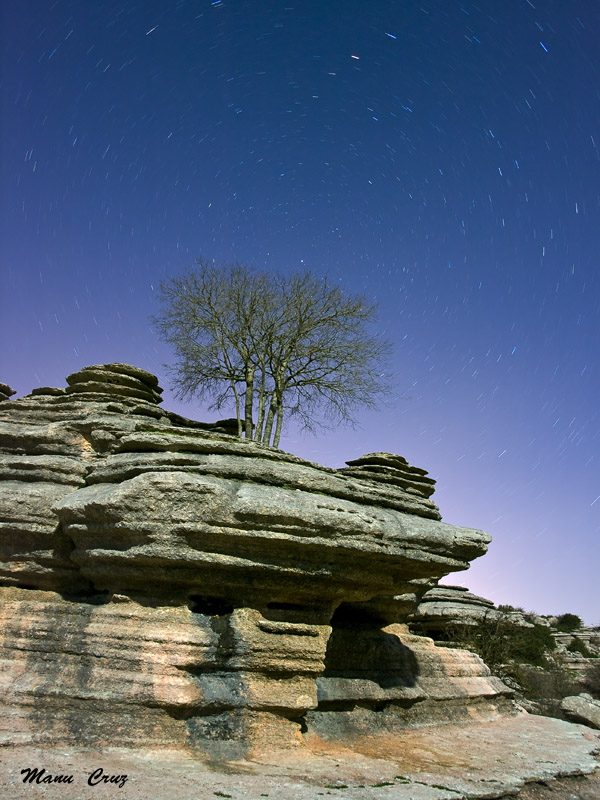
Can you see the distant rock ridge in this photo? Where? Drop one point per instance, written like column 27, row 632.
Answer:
column 166, row 579
column 443, row 607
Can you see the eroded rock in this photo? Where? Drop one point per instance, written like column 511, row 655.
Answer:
column 169, row 582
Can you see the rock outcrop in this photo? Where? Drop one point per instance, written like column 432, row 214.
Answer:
column 579, row 649
column 168, row 581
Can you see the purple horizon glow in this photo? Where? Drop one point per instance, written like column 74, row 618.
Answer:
column 439, row 157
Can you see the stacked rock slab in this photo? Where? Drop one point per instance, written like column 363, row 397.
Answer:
column 166, row 582
column 112, row 380
column 388, row 468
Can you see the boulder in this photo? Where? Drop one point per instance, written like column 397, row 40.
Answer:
column 5, row 391
column 582, row 708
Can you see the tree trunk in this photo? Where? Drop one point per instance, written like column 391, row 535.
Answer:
column 276, row 401
column 237, row 409
column 277, row 435
column 261, row 408
column 269, row 421
column 249, row 400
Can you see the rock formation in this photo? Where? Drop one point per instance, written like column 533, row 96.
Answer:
column 446, row 608
column 164, row 581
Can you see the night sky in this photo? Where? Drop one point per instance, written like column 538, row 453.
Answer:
column 439, row 156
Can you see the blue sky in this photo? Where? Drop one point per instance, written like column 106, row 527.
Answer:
column 439, row 157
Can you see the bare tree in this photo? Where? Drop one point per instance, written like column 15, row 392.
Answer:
column 282, row 345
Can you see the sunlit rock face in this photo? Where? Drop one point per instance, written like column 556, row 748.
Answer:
column 169, row 581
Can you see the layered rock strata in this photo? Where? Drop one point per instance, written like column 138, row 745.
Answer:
column 121, row 380
column 391, row 469
column 383, row 679
column 167, row 580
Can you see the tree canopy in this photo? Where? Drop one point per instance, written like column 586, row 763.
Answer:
column 271, row 345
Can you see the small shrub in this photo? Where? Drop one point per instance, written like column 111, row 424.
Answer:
column 568, row 622
column 498, row 641
column 532, row 645
column 577, row 646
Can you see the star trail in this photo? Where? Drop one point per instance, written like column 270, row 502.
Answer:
column 440, row 157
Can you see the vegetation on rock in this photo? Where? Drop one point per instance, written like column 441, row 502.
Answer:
column 577, row 646
column 498, row 641
column 526, row 656
column 568, row 622
column 272, row 346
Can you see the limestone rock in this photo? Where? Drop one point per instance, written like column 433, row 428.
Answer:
column 201, row 450
column 186, row 531
column 34, row 551
column 48, row 441
column 116, row 373
column 168, row 581
column 149, row 673
column 51, row 468
column 588, row 637
column 513, row 756
column 378, row 679
column 582, row 708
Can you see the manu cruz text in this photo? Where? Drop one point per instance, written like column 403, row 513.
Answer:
column 96, row 778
